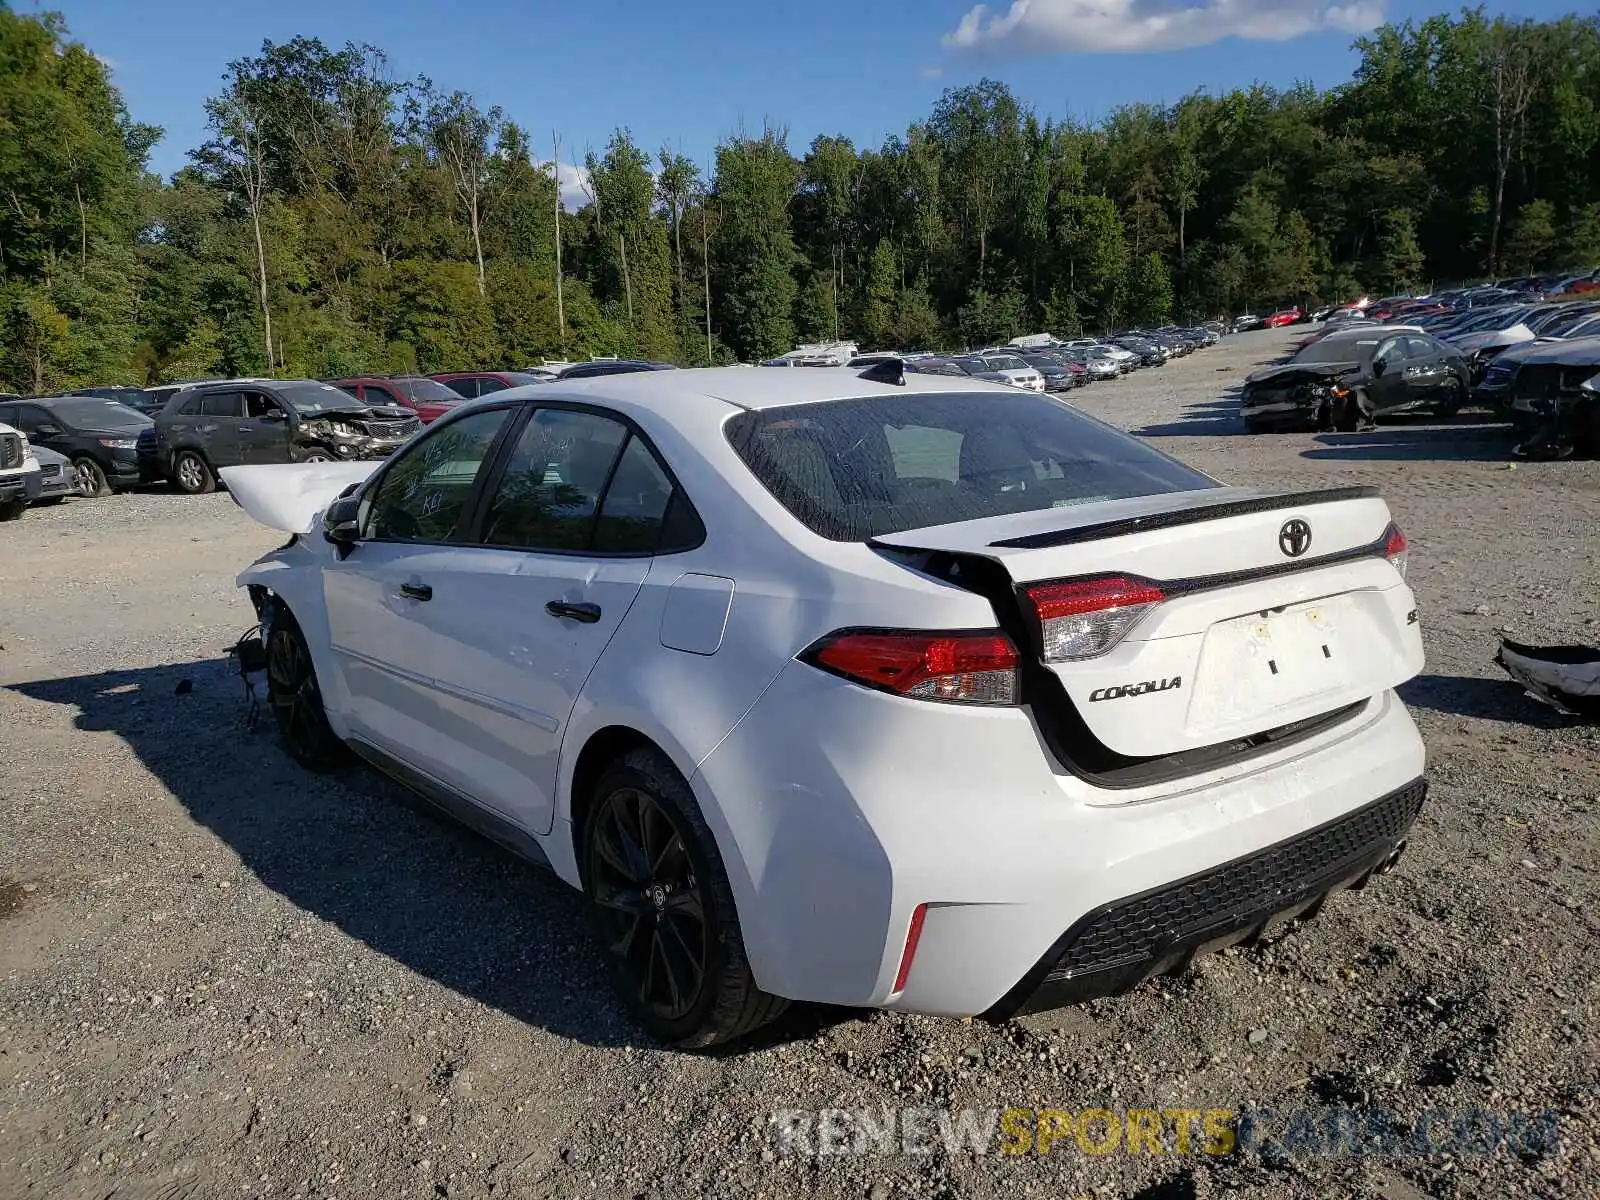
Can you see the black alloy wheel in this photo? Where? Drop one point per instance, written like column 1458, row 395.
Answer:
column 296, row 700
column 663, row 909
column 652, row 914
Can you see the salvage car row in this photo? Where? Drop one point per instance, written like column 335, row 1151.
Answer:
column 1535, row 364
column 103, row 440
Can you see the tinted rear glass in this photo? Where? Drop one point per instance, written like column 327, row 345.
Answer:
column 421, row 390
column 857, row 469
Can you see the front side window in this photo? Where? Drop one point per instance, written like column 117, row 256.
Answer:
column 258, row 405
column 857, row 469
column 423, row 494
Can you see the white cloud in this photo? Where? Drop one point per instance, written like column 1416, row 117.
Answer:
column 1134, row 26
column 573, row 180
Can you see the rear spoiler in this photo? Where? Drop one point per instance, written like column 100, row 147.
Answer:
column 1183, row 516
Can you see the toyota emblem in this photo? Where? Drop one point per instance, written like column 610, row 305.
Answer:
column 1294, row 539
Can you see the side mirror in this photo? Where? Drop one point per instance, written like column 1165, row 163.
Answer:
column 1591, row 385
column 341, row 524
column 274, row 414
column 1379, row 366
column 47, row 430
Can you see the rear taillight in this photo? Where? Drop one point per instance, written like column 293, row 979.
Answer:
column 1083, row 618
column 956, row 668
column 1394, row 549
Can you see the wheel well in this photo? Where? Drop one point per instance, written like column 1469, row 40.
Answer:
column 602, row 749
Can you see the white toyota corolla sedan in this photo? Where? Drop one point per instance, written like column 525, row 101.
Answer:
column 864, row 688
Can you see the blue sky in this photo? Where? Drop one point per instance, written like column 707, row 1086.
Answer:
column 688, row 74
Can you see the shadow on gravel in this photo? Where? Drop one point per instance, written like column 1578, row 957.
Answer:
column 361, row 853
column 1476, row 441
column 1205, row 418
column 1488, row 699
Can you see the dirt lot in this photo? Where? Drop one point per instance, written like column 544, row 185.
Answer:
column 220, row 976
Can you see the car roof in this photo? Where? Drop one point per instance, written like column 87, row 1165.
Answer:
column 731, row 388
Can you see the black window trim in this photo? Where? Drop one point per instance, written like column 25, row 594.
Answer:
column 480, row 512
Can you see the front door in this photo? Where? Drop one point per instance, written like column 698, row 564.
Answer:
column 266, row 430
column 1390, row 390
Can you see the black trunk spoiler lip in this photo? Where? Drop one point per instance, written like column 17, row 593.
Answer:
column 1192, row 515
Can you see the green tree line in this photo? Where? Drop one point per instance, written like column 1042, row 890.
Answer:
column 339, row 220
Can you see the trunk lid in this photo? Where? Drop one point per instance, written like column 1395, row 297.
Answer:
column 1248, row 637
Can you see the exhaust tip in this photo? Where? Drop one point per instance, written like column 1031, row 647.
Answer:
column 1393, row 860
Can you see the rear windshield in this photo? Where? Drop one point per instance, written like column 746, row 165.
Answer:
column 857, row 469
column 420, row 390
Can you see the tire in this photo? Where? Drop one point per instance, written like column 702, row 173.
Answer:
column 317, row 454
column 192, row 474
column 12, row 509
column 677, row 913
column 1451, row 401
column 92, row 483
column 296, row 699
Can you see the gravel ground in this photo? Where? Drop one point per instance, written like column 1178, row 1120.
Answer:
column 220, row 976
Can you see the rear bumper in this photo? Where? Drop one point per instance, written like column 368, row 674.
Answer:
column 1121, row 944
column 833, row 840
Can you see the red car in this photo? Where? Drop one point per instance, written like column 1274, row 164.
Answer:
column 1284, row 316
column 468, row 384
column 428, row 398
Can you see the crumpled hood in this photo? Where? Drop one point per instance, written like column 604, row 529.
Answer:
column 1290, row 373
column 289, row 496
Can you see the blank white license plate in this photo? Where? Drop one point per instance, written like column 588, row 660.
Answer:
column 1256, row 662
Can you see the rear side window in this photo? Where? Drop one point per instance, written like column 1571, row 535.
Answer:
column 857, row 469
column 487, row 385
column 550, row 491
column 463, row 387
column 222, row 404
column 582, row 483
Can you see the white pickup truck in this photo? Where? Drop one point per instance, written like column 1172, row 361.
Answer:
column 20, row 481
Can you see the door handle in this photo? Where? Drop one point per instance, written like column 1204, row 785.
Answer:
column 585, row 612
column 416, row 591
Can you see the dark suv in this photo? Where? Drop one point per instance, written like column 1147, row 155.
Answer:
column 215, row 425
column 99, row 436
